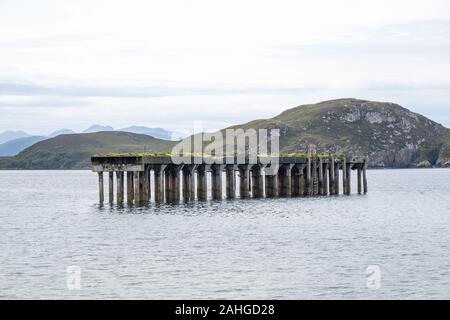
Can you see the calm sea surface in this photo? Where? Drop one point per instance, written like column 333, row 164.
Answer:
column 282, row 249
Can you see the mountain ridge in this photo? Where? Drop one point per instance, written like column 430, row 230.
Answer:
column 389, row 134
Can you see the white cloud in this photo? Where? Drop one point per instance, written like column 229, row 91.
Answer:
column 145, row 62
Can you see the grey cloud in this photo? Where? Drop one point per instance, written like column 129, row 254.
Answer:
column 30, row 89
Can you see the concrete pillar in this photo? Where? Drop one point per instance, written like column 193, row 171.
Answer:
column 202, row 185
column 101, row 190
column 111, row 187
column 284, row 180
column 336, row 177
column 130, row 187
column 172, row 174
column 231, row 181
column 216, row 181
column 320, row 172
column 344, row 176
column 243, row 181
column 359, row 178
column 302, row 182
column 325, row 179
column 159, row 183
column 348, row 170
column 137, row 190
column 315, row 176
column 149, row 183
column 188, row 182
column 119, row 177
column 257, row 182
column 331, row 176
column 309, row 182
column 364, row 177
column 296, row 173
column 271, row 179
column 143, row 197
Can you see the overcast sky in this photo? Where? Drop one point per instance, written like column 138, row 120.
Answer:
column 70, row 64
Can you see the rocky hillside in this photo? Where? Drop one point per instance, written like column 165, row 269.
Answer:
column 389, row 134
column 73, row 151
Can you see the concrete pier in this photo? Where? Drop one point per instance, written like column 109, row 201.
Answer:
column 230, row 172
column 159, row 182
column 289, row 176
column 172, row 174
column 331, row 176
column 120, row 186
column 244, row 181
column 188, row 176
column 130, row 187
column 202, row 186
column 101, row 189
column 271, row 179
column 257, row 182
column 216, row 181
column 111, row 187
column 284, row 180
column 364, row 176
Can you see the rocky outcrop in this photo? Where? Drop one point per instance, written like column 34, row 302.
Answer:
column 424, row 164
column 443, row 160
column 390, row 135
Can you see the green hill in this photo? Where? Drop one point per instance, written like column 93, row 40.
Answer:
column 73, row 151
column 389, row 134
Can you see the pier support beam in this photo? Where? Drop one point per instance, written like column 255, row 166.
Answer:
column 172, row 174
column 331, row 176
column 271, row 178
column 309, row 182
column 159, row 182
column 359, row 178
column 320, row 172
column 143, row 185
column 244, row 181
column 344, row 176
column 130, row 187
column 297, row 178
column 111, row 187
column 120, row 186
column 230, row 181
column 257, row 181
column 284, row 180
column 348, row 170
column 216, row 181
column 336, row 177
column 188, row 183
column 101, row 190
column 325, row 179
column 315, row 176
column 137, row 191
column 365, row 177
column 202, row 185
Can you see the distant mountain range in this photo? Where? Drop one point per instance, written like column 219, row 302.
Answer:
column 390, row 135
column 11, row 135
column 13, row 142
column 13, row 147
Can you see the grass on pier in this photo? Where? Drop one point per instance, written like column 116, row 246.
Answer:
column 169, row 154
